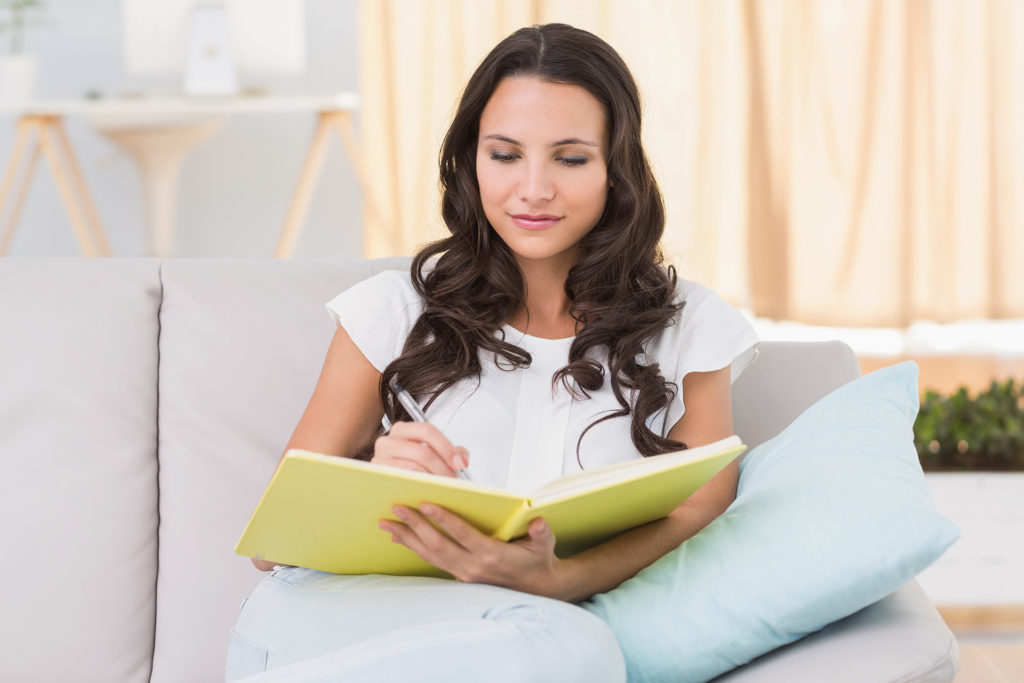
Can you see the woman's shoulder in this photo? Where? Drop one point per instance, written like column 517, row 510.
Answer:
column 386, row 296
column 377, row 313
column 391, row 281
column 695, row 296
column 707, row 334
column 387, row 285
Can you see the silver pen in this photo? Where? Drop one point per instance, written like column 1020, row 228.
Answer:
column 414, row 410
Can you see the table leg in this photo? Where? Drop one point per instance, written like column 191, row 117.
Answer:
column 64, row 187
column 19, row 200
column 159, row 152
column 12, row 178
column 304, row 192
column 51, row 141
column 342, row 121
column 78, row 186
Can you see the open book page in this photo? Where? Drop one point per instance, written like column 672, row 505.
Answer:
column 582, row 516
column 572, row 484
column 322, row 512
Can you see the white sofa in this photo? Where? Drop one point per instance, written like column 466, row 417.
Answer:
column 143, row 406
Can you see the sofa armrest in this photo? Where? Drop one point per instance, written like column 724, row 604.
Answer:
column 785, row 380
column 899, row 638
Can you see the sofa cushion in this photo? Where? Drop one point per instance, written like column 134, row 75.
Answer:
column 900, row 638
column 78, row 499
column 831, row 515
column 241, row 346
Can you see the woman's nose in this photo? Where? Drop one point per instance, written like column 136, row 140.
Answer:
column 536, row 183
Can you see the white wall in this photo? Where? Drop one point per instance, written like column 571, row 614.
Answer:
column 235, row 188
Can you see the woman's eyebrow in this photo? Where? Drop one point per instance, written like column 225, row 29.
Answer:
column 560, row 143
column 574, row 141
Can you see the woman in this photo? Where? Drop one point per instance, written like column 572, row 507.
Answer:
column 544, row 335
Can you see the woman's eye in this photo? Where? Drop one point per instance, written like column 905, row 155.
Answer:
column 503, row 156
column 572, row 161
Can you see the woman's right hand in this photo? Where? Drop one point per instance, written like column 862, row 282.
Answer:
column 419, row 446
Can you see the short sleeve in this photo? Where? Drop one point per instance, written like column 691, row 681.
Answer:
column 709, row 334
column 378, row 313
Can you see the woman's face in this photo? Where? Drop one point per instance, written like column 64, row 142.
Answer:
column 540, row 162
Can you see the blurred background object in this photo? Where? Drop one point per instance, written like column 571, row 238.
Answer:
column 236, row 187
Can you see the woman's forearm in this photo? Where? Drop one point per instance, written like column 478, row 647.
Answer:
column 605, row 566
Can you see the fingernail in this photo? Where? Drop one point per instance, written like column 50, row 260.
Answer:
column 428, row 509
column 400, row 512
column 459, row 462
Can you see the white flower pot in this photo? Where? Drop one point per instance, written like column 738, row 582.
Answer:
column 986, row 566
column 17, row 78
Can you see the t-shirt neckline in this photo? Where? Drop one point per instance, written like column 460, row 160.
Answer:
column 509, row 330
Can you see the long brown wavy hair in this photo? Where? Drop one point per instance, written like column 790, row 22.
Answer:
column 621, row 294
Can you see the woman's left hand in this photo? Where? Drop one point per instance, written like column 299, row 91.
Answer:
column 527, row 564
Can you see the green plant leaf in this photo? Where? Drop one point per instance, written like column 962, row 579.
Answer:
column 963, row 432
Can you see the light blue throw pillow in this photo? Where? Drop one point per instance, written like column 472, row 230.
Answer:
column 831, row 515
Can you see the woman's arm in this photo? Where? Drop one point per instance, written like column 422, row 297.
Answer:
column 530, row 565
column 343, row 414
column 708, row 418
column 344, row 410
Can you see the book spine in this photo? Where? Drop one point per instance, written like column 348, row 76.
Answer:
column 512, row 526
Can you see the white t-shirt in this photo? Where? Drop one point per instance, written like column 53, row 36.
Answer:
column 520, row 430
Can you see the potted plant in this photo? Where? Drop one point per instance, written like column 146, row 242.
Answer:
column 17, row 70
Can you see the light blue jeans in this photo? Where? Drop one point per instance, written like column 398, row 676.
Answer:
column 305, row 625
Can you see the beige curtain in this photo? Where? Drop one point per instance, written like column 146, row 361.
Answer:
column 825, row 161
column 415, row 57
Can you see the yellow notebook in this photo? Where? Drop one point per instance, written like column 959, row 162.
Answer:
column 322, row 511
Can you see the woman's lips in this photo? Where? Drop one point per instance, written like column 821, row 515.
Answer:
column 534, row 221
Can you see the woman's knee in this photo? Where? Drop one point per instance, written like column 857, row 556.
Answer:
column 566, row 643
column 593, row 649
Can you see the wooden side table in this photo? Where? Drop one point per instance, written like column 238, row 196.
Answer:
column 158, row 132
